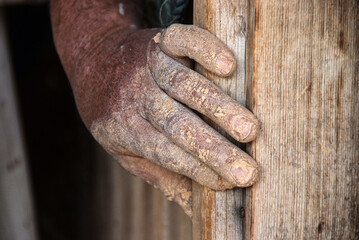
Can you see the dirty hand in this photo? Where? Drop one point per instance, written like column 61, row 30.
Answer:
column 135, row 94
column 148, row 113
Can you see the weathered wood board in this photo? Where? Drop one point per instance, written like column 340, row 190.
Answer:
column 305, row 92
column 220, row 215
column 302, row 62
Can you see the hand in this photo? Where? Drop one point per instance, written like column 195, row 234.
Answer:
column 144, row 114
column 134, row 93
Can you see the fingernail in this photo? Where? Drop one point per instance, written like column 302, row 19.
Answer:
column 242, row 127
column 225, row 65
column 245, row 173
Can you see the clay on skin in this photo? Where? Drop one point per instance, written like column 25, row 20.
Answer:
column 136, row 99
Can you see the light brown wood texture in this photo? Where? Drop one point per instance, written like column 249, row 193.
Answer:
column 302, row 83
column 305, row 92
column 16, row 209
column 220, row 215
column 129, row 208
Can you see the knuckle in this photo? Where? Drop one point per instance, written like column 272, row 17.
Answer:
column 173, row 39
column 174, row 28
column 160, row 149
column 161, row 110
column 106, row 133
column 173, row 123
column 168, row 74
column 116, row 135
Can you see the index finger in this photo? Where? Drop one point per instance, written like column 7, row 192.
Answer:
column 196, row 43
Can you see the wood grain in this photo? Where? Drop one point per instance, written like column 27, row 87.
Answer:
column 305, row 92
column 219, row 215
column 301, row 71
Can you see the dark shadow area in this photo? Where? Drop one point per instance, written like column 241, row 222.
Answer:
column 59, row 148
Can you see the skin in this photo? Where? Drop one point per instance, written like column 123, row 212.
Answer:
column 134, row 91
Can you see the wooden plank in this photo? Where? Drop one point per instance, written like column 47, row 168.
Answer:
column 219, row 215
column 305, row 92
column 16, row 210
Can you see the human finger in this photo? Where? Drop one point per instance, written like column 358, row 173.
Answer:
column 196, row 43
column 159, row 149
column 197, row 92
column 192, row 134
column 144, row 140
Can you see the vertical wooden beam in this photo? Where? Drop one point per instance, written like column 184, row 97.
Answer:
column 302, row 74
column 306, row 94
column 220, row 215
column 16, row 210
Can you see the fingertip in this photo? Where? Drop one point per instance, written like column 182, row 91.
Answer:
column 245, row 172
column 218, row 184
column 254, row 132
column 246, row 129
column 225, row 64
column 222, row 185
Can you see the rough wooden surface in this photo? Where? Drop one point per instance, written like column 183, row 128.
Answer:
column 219, row 215
column 129, row 208
column 302, row 81
column 305, row 92
column 16, row 211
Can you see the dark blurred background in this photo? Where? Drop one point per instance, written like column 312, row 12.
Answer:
column 59, row 148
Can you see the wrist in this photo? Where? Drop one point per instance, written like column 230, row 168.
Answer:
column 79, row 26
